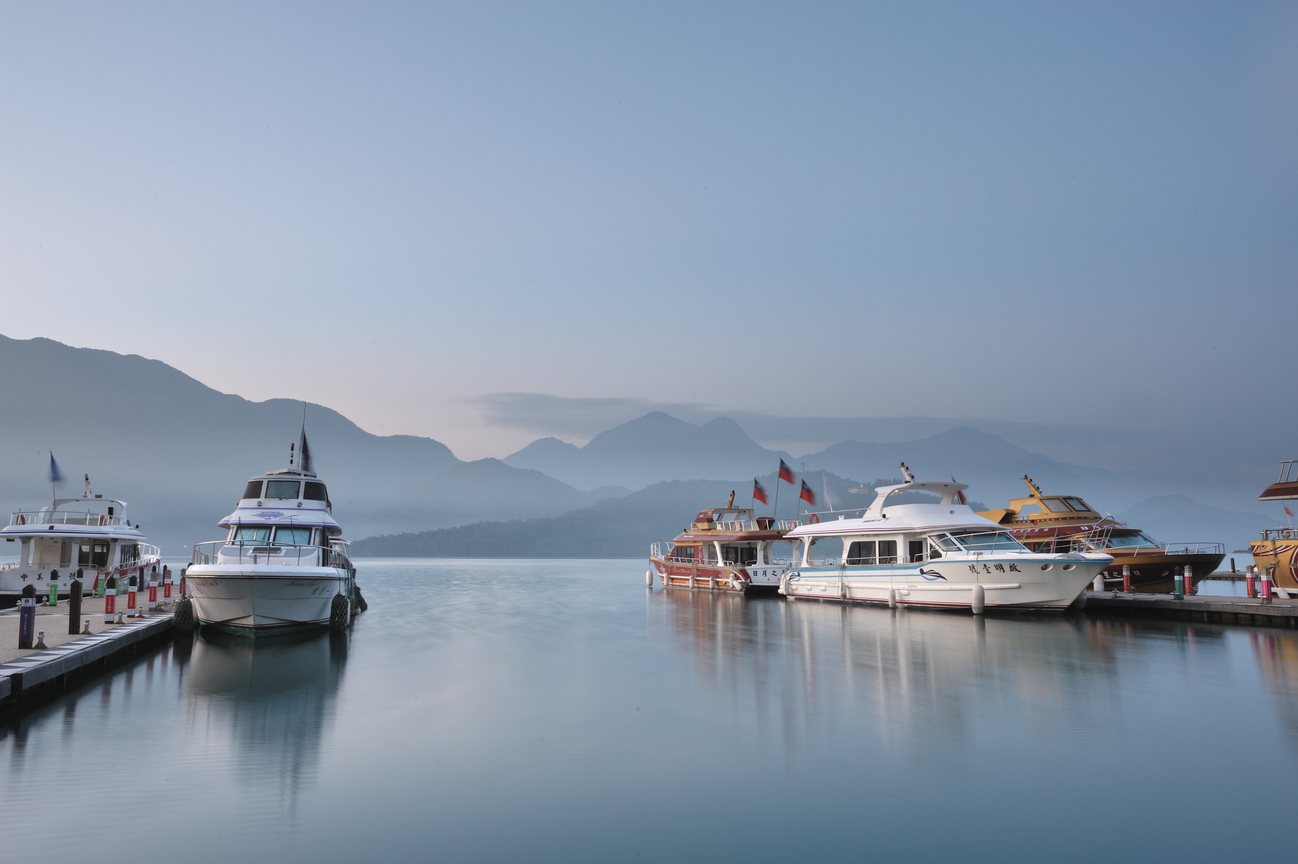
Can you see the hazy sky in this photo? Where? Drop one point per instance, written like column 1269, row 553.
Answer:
column 1043, row 212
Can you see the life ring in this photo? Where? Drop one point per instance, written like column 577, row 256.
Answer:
column 813, row 519
column 1285, row 534
column 22, row 520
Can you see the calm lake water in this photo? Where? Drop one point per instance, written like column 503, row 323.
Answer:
column 560, row 711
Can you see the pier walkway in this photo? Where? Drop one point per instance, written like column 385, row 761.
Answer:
column 1250, row 611
column 68, row 658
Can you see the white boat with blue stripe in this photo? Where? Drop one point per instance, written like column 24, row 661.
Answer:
column 929, row 554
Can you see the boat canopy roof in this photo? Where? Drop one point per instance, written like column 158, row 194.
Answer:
column 285, row 497
column 90, row 515
column 1286, row 487
column 880, row 518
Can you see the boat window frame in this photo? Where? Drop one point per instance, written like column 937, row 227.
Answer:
column 296, row 497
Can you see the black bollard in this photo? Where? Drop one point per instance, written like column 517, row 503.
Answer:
column 74, row 605
column 27, row 616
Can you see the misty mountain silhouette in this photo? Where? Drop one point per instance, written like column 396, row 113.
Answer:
column 180, row 451
column 651, row 449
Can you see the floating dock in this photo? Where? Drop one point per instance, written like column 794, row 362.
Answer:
column 31, row 675
column 1249, row 611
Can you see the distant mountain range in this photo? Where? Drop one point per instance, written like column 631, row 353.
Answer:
column 180, row 451
column 651, row 449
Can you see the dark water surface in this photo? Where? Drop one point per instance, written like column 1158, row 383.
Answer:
column 560, row 711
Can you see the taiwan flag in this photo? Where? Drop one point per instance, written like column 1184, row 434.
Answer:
column 807, row 495
column 786, row 473
column 759, row 493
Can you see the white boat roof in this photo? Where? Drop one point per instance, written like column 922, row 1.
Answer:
column 879, row 518
column 306, row 512
column 86, row 516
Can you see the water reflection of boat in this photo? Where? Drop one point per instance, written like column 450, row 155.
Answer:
column 272, row 697
column 1066, row 523
column 922, row 679
column 1277, row 658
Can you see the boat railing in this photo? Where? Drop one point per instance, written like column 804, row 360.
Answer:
column 227, row 552
column 1195, row 548
column 1280, row 534
column 148, row 556
column 63, row 517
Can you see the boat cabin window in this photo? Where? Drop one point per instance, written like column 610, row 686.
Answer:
column 130, row 553
column 1130, row 541
column 990, row 541
column 93, row 555
column 282, row 488
column 253, row 489
column 825, row 550
column 683, row 553
column 935, row 548
column 744, row 555
column 292, row 536
column 258, row 536
column 1078, row 504
column 1055, row 505
column 778, row 552
column 915, row 551
column 861, row 552
column 315, row 492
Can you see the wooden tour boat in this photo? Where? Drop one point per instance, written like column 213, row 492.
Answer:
column 724, row 548
column 1066, row 523
column 1278, row 546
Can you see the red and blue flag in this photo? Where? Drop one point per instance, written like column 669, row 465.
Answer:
column 806, row 494
column 786, row 473
column 759, row 493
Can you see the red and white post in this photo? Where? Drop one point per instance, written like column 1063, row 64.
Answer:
column 110, row 600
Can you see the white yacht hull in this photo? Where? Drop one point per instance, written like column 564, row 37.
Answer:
column 1008, row 581
column 263, row 597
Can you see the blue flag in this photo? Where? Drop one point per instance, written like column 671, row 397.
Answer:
column 55, row 475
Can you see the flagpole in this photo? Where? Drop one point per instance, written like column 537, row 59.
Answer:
column 775, row 513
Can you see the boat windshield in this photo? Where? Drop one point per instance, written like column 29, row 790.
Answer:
column 984, row 541
column 259, row 535
column 292, row 536
column 1055, row 505
column 1131, row 541
column 1078, row 504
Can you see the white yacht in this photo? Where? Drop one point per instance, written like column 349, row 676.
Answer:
column 933, row 554
column 90, row 534
column 284, row 563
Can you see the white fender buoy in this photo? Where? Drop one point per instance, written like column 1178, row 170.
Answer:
column 892, row 599
column 979, row 600
column 649, row 578
column 712, row 583
column 1097, row 584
